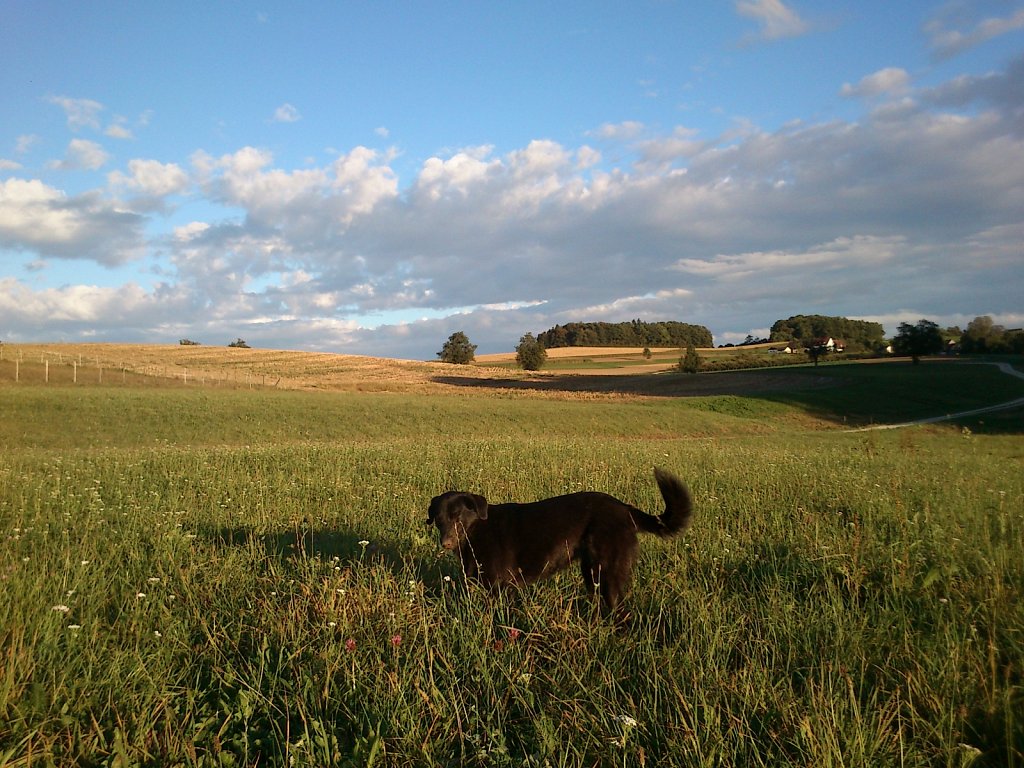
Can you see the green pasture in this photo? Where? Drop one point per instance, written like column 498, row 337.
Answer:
column 229, row 577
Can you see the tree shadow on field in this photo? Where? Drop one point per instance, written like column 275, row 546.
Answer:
column 847, row 394
column 669, row 384
column 345, row 548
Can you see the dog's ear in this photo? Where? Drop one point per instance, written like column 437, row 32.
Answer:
column 431, row 512
column 479, row 505
column 435, row 504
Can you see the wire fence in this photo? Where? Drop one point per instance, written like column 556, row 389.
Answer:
column 61, row 369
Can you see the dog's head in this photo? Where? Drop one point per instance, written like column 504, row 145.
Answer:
column 454, row 513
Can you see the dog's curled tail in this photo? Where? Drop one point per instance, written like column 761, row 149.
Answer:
column 678, row 507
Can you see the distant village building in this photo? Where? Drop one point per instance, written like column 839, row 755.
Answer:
column 828, row 344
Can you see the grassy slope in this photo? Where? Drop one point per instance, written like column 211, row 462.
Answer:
column 842, row 599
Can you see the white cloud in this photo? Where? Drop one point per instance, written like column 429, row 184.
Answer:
column 81, row 155
column 118, row 130
column 361, row 182
column 624, row 131
column 1002, row 90
column 916, row 205
column 25, row 142
column 587, row 157
column 666, row 303
column 776, row 19
column 81, row 113
column 40, row 219
column 947, row 41
column 861, row 252
column 79, row 303
column 286, row 113
column 891, row 81
column 683, row 143
column 151, row 178
column 458, row 174
column 9, row 165
column 191, row 230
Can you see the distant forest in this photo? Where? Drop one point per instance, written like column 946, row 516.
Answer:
column 635, row 333
column 859, row 335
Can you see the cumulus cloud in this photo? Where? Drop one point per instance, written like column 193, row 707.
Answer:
column 921, row 198
column 1002, row 90
column 891, row 81
column 39, row 219
column 325, row 198
column 81, row 155
column 127, row 312
column 151, row 178
column 683, row 143
column 775, row 18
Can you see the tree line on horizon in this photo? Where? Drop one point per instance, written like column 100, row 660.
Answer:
column 980, row 336
column 860, row 335
column 634, row 333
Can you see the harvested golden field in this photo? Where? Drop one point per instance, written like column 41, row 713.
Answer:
column 283, row 369
column 615, row 373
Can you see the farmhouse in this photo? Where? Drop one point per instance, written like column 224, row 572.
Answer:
column 828, row 344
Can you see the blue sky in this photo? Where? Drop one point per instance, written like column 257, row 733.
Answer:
column 368, row 178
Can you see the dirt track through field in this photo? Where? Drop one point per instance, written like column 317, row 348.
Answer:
column 1018, row 403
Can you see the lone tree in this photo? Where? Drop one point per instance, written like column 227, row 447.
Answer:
column 690, row 362
column 457, row 349
column 982, row 335
column 530, row 354
column 924, row 338
column 240, row 343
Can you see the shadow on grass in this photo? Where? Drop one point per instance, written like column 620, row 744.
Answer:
column 346, row 548
column 655, row 385
column 843, row 393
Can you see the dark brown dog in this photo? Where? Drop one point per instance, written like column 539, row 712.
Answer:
column 523, row 543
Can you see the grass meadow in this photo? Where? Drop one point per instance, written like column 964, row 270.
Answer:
column 236, row 577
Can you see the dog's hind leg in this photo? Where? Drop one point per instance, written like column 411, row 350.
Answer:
column 591, row 575
column 616, row 576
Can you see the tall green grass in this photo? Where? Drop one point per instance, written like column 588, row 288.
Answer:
column 257, row 587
